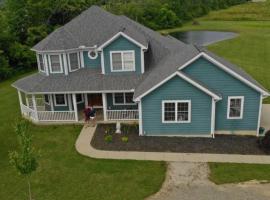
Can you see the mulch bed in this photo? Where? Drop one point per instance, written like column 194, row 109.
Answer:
column 222, row 144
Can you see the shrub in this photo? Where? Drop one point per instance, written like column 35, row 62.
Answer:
column 264, row 142
column 125, row 128
column 124, row 139
column 108, row 138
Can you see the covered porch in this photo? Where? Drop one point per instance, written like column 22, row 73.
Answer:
column 69, row 107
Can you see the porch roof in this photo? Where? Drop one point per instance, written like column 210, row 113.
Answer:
column 83, row 80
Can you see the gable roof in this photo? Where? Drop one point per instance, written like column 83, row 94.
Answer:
column 188, row 79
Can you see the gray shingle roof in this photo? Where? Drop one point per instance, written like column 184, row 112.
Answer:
column 95, row 26
column 83, row 80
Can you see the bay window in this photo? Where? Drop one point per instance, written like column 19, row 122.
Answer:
column 73, row 61
column 55, row 63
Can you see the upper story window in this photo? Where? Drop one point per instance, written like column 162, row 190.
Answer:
column 55, row 64
column 92, row 54
column 122, row 61
column 73, row 61
column 176, row 111
column 123, row 99
column 235, row 107
column 41, row 63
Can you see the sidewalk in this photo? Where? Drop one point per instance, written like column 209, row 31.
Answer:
column 83, row 147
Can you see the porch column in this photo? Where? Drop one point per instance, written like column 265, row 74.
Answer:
column 20, row 100
column 140, row 119
column 85, row 100
column 104, row 102
column 75, row 107
column 51, row 102
column 35, row 106
column 27, row 100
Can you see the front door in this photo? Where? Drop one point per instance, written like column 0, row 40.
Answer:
column 95, row 100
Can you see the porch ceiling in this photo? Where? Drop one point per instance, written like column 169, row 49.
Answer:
column 83, row 80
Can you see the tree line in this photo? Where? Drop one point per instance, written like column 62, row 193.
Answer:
column 23, row 23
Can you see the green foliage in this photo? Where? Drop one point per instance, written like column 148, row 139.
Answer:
column 25, row 160
column 124, row 139
column 108, row 138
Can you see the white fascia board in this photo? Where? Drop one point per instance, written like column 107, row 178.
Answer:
column 181, row 75
column 118, row 35
column 226, row 69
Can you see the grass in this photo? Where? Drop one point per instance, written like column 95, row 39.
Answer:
column 221, row 173
column 63, row 173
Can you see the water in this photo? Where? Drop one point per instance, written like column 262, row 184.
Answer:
column 203, row 38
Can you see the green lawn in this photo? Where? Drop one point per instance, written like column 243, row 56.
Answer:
column 233, row 173
column 63, row 173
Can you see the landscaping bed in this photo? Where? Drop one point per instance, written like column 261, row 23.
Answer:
column 105, row 138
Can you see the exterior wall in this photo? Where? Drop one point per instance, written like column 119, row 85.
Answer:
column 91, row 63
column 111, row 106
column 119, row 44
column 227, row 85
column 177, row 89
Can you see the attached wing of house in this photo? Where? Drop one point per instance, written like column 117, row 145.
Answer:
column 130, row 72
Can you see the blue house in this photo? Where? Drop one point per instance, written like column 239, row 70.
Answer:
column 129, row 72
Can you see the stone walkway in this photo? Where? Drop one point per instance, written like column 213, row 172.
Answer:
column 83, row 147
column 189, row 181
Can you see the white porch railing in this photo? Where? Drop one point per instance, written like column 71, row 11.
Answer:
column 122, row 114
column 56, row 115
column 28, row 112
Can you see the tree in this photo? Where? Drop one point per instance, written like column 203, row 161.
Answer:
column 25, row 161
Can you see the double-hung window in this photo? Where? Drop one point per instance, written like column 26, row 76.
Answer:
column 73, row 61
column 55, row 64
column 176, row 111
column 60, row 100
column 41, row 63
column 235, row 107
column 122, row 61
column 79, row 98
column 123, row 99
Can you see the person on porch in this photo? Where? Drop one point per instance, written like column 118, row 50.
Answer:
column 90, row 114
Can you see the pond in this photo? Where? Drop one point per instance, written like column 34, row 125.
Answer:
column 203, row 38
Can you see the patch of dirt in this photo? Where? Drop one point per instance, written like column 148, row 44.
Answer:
column 222, row 144
column 189, row 181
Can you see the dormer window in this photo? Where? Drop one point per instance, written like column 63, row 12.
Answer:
column 41, row 63
column 73, row 61
column 55, row 64
column 92, row 54
column 122, row 61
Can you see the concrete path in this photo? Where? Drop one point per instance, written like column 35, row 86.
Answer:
column 83, row 147
column 189, row 181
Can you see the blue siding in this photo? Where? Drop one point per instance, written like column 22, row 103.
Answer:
column 119, row 44
column 111, row 106
column 91, row 63
column 177, row 89
column 227, row 85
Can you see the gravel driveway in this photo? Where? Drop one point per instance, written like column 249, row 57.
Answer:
column 189, row 181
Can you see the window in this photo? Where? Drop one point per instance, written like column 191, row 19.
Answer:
column 55, row 64
column 235, row 107
column 123, row 99
column 60, row 100
column 122, row 61
column 73, row 61
column 176, row 111
column 79, row 98
column 46, row 99
column 41, row 63
column 92, row 54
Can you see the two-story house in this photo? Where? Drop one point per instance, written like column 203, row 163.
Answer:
column 129, row 72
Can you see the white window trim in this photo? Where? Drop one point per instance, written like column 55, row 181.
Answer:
column 124, row 95
column 54, row 98
column 69, row 65
column 242, row 107
column 43, row 61
column 47, row 103
column 176, row 102
column 89, row 55
column 122, row 52
column 81, row 100
column 61, row 64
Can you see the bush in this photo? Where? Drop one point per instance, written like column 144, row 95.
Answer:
column 108, row 138
column 264, row 142
column 124, row 139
